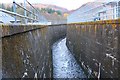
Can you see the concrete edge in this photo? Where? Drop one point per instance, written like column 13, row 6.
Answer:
column 116, row 21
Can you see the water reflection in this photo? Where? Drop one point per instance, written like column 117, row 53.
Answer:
column 64, row 64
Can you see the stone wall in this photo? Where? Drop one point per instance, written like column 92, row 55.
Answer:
column 96, row 46
column 26, row 50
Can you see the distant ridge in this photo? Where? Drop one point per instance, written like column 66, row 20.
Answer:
column 39, row 5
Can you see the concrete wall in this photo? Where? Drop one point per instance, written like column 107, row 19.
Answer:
column 0, row 53
column 119, row 10
column 96, row 46
column 26, row 50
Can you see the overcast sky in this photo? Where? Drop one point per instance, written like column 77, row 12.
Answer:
column 69, row 4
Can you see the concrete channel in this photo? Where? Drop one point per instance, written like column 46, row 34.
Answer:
column 64, row 64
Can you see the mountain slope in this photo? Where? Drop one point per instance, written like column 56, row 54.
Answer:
column 39, row 5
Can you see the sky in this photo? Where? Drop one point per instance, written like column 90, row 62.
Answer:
column 69, row 4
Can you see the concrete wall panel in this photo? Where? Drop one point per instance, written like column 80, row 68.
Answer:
column 95, row 45
column 26, row 50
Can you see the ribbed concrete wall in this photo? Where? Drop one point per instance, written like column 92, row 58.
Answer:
column 26, row 50
column 96, row 46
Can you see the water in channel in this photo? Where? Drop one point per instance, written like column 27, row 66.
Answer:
column 64, row 64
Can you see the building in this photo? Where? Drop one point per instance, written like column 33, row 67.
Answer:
column 119, row 9
column 93, row 11
column 110, row 10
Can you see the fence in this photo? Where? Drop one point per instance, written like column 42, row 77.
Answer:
column 30, row 16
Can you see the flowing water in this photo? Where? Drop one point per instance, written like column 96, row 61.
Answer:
column 64, row 64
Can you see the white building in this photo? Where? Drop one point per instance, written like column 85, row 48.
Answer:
column 98, row 10
column 110, row 10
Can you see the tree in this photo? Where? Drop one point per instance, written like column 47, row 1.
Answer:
column 43, row 10
column 59, row 12
column 20, row 11
column 50, row 11
column 9, row 9
column 0, row 5
column 3, row 6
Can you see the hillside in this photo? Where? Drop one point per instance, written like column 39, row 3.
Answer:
column 55, row 19
column 39, row 5
column 52, row 13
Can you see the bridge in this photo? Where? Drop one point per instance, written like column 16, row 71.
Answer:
column 32, row 50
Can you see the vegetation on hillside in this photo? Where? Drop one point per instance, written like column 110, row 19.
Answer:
column 42, row 10
column 50, row 11
column 54, row 16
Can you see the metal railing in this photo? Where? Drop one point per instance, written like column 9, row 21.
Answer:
column 16, row 14
column 35, row 14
